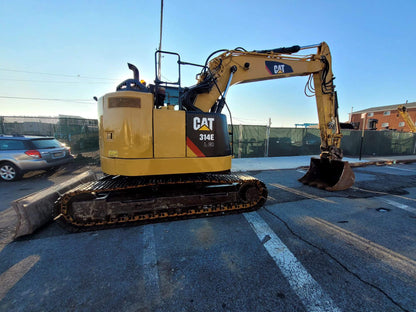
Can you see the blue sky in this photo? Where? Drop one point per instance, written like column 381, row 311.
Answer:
column 69, row 51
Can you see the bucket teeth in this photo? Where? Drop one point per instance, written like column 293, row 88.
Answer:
column 331, row 175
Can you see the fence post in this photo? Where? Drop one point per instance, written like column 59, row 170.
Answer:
column 240, row 139
column 2, row 125
column 414, row 144
column 266, row 151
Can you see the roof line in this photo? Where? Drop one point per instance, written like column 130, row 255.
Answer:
column 384, row 108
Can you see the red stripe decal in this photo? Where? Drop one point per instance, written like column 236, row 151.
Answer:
column 268, row 70
column 194, row 148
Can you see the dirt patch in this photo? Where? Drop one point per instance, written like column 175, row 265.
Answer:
column 8, row 222
column 206, row 235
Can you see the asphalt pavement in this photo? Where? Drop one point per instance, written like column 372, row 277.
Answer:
column 306, row 250
column 293, row 162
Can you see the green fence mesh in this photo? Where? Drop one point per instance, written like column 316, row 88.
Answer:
column 251, row 141
column 248, row 140
column 78, row 133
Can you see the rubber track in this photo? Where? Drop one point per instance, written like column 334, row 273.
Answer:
column 121, row 183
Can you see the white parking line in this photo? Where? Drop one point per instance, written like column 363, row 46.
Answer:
column 150, row 271
column 399, row 205
column 403, row 169
column 307, row 289
column 300, row 193
column 14, row 274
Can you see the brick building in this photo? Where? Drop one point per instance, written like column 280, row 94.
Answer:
column 383, row 118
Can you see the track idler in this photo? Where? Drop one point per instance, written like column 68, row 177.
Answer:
column 331, row 175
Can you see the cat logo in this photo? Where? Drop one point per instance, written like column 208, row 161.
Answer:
column 203, row 124
column 279, row 69
column 275, row 68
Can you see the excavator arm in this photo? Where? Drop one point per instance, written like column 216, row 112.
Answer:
column 406, row 117
column 239, row 66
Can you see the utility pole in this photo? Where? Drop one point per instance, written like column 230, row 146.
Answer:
column 159, row 71
column 363, row 116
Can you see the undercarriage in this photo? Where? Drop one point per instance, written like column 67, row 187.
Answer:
column 120, row 200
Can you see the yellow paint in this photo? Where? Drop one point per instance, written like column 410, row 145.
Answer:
column 161, row 166
column 128, row 117
column 204, row 128
column 169, row 134
column 138, row 140
column 112, row 153
column 406, row 117
column 190, row 153
column 250, row 67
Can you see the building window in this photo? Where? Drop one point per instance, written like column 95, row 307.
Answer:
column 370, row 114
column 386, row 113
column 384, row 124
column 401, row 124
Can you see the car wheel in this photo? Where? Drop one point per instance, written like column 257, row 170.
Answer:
column 9, row 172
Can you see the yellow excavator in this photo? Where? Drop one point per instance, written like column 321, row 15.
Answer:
column 166, row 153
column 406, row 117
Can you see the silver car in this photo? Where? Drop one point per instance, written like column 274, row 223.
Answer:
column 20, row 154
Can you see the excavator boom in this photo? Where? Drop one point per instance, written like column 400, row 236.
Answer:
column 240, row 66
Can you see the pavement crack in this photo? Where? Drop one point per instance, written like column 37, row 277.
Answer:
column 265, row 239
column 323, row 250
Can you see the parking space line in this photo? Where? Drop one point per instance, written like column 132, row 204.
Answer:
column 303, row 284
column 150, row 271
column 300, row 193
column 383, row 193
column 399, row 205
column 403, row 169
column 379, row 252
column 14, row 274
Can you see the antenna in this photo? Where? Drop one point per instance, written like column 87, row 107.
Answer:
column 159, row 73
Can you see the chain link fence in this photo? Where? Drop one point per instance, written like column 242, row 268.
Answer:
column 259, row 141
column 79, row 133
column 248, row 140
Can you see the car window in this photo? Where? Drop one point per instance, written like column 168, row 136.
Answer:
column 46, row 143
column 7, row 145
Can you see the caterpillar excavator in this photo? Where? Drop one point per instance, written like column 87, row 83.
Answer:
column 166, row 150
column 406, row 117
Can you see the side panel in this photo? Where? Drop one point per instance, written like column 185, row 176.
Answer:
column 207, row 135
column 169, row 133
column 161, row 166
column 126, row 129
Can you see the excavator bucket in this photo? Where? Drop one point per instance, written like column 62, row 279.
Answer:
column 35, row 210
column 331, row 175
